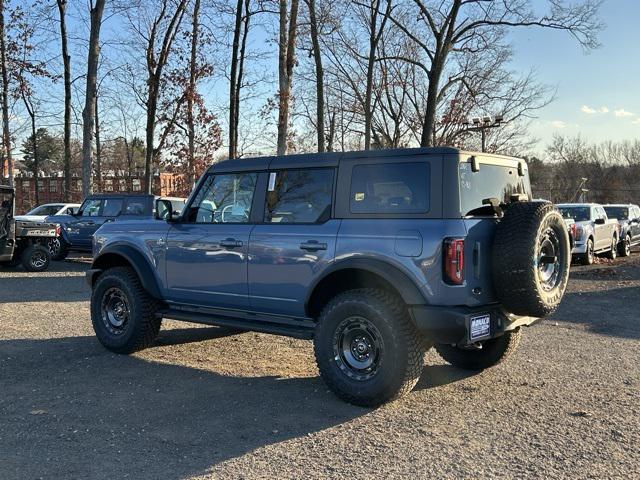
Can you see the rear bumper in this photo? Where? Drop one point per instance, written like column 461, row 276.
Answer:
column 452, row 325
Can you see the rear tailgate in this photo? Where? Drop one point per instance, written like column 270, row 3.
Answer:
column 478, row 250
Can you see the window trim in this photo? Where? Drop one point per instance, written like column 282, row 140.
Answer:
column 334, row 183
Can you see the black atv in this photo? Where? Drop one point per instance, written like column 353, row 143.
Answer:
column 23, row 242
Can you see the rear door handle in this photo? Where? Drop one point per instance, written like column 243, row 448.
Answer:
column 313, row 246
column 231, row 243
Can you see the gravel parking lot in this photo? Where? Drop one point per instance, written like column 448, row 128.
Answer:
column 206, row 403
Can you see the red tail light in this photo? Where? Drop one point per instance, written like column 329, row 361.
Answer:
column 58, row 231
column 454, row 261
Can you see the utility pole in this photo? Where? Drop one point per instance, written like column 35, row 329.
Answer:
column 481, row 125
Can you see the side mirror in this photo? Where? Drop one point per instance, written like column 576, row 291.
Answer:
column 71, row 211
column 599, row 221
column 164, row 210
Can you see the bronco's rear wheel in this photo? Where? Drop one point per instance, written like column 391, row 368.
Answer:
column 123, row 314
column 483, row 355
column 367, row 349
column 530, row 258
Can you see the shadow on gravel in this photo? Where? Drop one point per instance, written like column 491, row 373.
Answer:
column 70, row 409
column 438, row 375
column 611, row 312
column 43, row 287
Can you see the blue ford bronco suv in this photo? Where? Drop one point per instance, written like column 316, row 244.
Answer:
column 377, row 256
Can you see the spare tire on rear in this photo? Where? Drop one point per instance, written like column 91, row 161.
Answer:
column 530, row 258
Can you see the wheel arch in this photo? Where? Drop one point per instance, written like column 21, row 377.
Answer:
column 127, row 256
column 361, row 273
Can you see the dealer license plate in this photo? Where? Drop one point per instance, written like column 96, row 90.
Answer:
column 479, row 327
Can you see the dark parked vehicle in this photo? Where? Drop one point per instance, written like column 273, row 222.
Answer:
column 628, row 216
column 95, row 211
column 376, row 256
column 23, row 242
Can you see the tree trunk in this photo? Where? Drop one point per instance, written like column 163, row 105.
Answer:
column 98, row 149
column 36, row 162
column 286, row 60
column 319, row 75
column 66, row 60
column 233, row 114
column 152, row 108
column 88, row 113
column 191, row 173
column 6, row 135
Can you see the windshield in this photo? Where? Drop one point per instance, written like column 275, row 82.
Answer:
column 491, row 181
column 45, row 210
column 579, row 214
column 621, row 213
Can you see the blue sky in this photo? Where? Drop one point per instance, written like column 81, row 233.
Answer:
column 597, row 92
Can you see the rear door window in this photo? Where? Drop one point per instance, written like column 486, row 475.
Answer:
column 135, row 206
column 299, row 196
column 390, row 188
column 112, row 207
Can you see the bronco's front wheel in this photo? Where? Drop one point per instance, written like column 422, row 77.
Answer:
column 123, row 314
column 367, row 349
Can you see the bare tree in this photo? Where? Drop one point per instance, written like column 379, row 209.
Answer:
column 466, row 26
column 319, row 70
column 89, row 111
column 6, row 135
column 66, row 60
column 286, row 61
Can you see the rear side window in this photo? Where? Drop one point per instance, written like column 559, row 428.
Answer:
column 299, row 196
column 112, row 207
column 390, row 188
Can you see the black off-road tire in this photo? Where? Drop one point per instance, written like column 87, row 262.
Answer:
column 588, row 258
column 61, row 252
column 493, row 352
column 401, row 354
column 142, row 325
column 526, row 231
column 35, row 258
column 613, row 253
column 624, row 247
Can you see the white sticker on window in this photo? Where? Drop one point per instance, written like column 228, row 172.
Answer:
column 272, row 182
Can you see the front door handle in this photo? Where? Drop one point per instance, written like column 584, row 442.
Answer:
column 313, row 246
column 90, row 223
column 231, row 243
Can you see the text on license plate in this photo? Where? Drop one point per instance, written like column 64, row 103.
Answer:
column 479, row 327
column 40, row 233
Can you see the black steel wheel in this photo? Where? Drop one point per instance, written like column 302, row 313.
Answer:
column 367, row 348
column 549, row 254
column 123, row 313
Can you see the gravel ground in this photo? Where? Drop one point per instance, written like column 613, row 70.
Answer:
column 206, row 403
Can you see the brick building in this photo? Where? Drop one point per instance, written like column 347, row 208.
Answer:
column 50, row 189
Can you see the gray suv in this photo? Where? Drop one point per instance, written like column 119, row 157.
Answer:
column 377, row 256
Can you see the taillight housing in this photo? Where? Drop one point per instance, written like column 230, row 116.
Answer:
column 58, row 231
column 454, row 261
column 574, row 231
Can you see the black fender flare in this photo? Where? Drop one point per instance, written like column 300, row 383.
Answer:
column 406, row 287
column 134, row 258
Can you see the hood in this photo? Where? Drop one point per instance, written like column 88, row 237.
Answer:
column 61, row 219
column 31, row 218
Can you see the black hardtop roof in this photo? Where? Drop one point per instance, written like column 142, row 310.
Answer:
column 331, row 159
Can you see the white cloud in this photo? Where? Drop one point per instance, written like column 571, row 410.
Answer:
column 588, row 110
column 623, row 113
column 636, row 121
column 558, row 124
column 604, row 110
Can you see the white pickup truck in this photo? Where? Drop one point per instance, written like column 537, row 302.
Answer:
column 595, row 231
